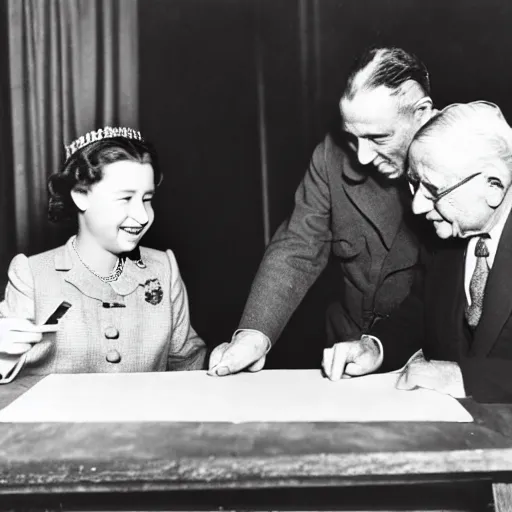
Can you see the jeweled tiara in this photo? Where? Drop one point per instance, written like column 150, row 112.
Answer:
column 103, row 133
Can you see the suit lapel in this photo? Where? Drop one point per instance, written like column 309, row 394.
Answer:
column 378, row 201
column 498, row 295
column 450, row 300
column 404, row 252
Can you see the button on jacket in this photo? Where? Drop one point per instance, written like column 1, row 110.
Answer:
column 142, row 318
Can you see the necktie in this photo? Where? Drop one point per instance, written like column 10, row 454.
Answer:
column 477, row 284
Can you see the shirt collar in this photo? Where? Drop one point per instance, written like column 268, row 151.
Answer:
column 494, row 237
column 67, row 260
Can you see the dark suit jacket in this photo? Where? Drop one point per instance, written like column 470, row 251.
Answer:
column 434, row 320
column 343, row 210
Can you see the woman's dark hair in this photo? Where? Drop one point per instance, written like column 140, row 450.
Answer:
column 85, row 167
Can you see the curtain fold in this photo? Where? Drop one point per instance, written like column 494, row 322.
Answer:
column 73, row 68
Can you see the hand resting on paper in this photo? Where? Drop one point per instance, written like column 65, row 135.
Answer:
column 247, row 351
column 441, row 376
column 352, row 358
column 17, row 335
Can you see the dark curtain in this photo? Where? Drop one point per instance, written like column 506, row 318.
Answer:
column 236, row 94
column 73, row 67
column 7, row 224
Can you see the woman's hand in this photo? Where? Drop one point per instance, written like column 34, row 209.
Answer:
column 17, row 335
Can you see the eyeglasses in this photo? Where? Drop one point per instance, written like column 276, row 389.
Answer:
column 435, row 198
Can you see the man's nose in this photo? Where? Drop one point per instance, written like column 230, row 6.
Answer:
column 421, row 204
column 365, row 152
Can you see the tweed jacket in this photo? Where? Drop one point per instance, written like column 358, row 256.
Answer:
column 348, row 212
column 143, row 316
column 434, row 320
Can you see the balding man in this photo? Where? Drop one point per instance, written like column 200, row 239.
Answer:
column 348, row 205
column 461, row 171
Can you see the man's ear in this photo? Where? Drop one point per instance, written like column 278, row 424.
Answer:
column 423, row 109
column 81, row 199
column 495, row 191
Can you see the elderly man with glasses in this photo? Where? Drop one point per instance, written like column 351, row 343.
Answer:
column 455, row 334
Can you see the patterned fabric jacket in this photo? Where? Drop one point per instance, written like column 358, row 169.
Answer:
column 139, row 323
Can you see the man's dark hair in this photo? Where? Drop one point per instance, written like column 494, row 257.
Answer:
column 387, row 66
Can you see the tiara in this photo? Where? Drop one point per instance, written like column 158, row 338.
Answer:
column 103, row 133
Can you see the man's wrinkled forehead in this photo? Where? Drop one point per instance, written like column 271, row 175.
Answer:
column 373, row 105
column 445, row 157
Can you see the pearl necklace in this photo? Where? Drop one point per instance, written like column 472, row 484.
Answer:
column 113, row 276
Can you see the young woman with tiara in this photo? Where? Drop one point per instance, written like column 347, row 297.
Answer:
column 125, row 306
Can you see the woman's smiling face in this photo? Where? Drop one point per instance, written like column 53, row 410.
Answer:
column 117, row 210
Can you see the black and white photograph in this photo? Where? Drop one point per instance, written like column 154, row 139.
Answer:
column 256, row 255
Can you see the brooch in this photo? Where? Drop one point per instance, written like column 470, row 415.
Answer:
column 153, row 292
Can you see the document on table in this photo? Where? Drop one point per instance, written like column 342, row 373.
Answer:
column 266, row 396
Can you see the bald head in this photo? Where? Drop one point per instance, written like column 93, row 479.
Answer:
column 460, row 164
column 476, row 131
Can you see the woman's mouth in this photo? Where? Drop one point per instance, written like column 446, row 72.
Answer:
column 132, row 231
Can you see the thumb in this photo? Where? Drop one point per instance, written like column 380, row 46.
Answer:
column 404, row 383
column 228, row 364
column 355, row 369
column 217, row 355
column 17, row 349
column 258, row 365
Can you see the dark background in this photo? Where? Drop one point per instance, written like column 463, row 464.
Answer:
column 199, row 105
column 201, row 62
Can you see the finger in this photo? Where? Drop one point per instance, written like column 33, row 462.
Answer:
column 216, row 356
column 229, row 364
column 242, row 352
column 354, row 370
column 339, row 361
column 20, row 324
column 401, row 382
column 327, row 361
column 17, row 349
column 43, row 328
column 258, row 365
column 407, row 381
column 22, row 337
column 416, row 381
column 234, row 359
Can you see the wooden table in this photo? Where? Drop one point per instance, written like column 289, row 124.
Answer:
column 258, row 466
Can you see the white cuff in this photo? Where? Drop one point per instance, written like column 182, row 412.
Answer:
column 258, row 333
column 379, row 346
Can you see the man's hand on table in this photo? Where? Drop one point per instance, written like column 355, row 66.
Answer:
column 441, row 376
column 247, row 351
column 17, row 335
column 352, row 358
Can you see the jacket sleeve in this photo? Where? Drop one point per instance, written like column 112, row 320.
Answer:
column 18, row 303
column 295, row 257
column 19, row 293
column 187, row 350
column 487, row 380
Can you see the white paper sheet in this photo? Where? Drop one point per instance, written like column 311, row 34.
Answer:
column 270, row 396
